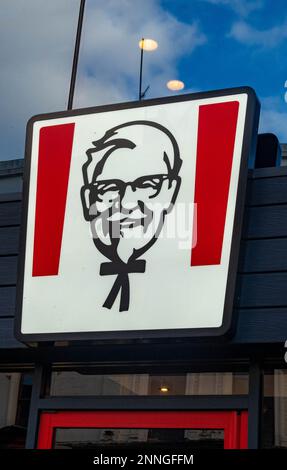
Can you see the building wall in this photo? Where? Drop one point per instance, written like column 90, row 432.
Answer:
column 261, row 297
column 11, row 176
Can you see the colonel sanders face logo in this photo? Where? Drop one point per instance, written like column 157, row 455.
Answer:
column 131, row 181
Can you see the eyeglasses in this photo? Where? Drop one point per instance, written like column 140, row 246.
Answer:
column 151, row 182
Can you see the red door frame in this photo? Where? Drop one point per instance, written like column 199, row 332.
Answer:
column 233, row 423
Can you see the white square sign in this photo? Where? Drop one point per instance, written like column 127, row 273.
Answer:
column 132, row 218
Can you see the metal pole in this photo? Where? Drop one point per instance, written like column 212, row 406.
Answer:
column 76, row 55
column 33, row 421
column 141, row 70
column 255, row 403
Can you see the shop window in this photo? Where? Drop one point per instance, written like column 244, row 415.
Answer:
column 15, row 394
column 146, row 438
column 274, row 429
column 83, row 382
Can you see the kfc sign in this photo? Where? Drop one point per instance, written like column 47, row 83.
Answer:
column 132, row 218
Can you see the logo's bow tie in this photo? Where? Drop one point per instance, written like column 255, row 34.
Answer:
column 122, row 281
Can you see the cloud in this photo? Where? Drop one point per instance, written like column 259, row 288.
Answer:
column 111, row 54
column 37, row 41
column 246, row 34
column 241, row 7
column 272, row 118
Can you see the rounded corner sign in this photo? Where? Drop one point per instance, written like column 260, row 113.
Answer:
column 132, row 218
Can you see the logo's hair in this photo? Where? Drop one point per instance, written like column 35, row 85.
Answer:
column 109, row 140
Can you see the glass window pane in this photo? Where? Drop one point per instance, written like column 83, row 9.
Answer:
column 15, row 394
column 274, row 431
column 81, row 382
column 89, row 438
column 9, row 389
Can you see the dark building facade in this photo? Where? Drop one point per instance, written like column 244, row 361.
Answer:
column 230, row 393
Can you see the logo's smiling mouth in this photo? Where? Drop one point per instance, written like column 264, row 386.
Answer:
column 131, row 220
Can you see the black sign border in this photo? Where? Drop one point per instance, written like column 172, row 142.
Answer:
column 247, row 155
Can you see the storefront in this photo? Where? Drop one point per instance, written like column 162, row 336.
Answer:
column 211, row 393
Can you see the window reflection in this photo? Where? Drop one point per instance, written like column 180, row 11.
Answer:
column 206, row 383
column 15, row 395
column 274, row 432
column 89, row 438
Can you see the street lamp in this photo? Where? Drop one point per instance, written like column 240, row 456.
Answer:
column 148, row 45
column 175, row 85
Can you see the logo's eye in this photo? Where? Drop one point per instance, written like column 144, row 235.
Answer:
column 107, row 186
column 153, row 182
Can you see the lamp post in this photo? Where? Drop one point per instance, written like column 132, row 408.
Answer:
column 145, row 45
column 76, row 54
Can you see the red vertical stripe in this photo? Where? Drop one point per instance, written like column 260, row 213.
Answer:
column 216, row 136
column 55, row 150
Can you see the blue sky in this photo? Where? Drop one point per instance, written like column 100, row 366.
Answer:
column 234, row 52
column 209, row 44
